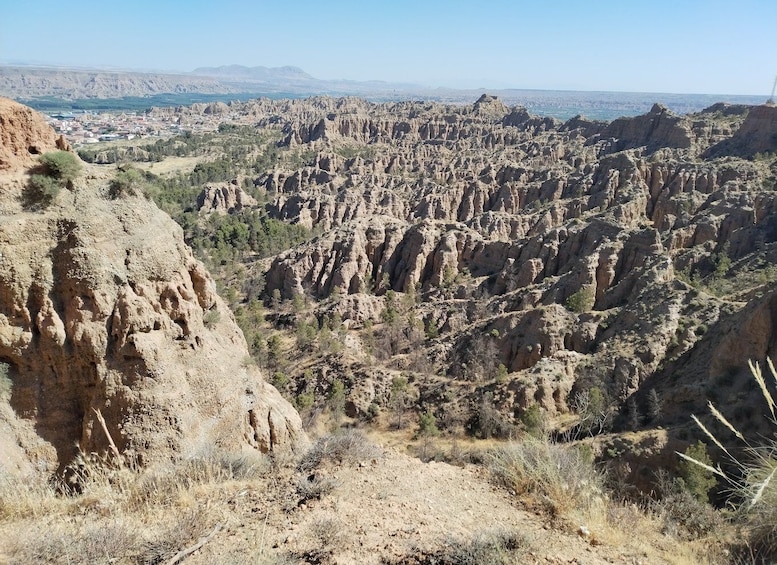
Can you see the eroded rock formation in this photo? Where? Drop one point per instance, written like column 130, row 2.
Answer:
column 104, row 309
column 575, row 247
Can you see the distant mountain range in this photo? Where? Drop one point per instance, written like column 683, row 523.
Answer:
column 47, row 88
column 30, row 82
column 254, row 74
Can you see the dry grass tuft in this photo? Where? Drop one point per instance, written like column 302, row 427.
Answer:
column 346, row 446
column 495, row 547
column 553, row 477
column 105, row 512
column 111, row 541
column 189, row 527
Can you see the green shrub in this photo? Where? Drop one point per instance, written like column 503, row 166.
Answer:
column 128, row 181
column 533, row 420
column 581, row 301
column 41, row 191
column 61, row 165
column 427, row 425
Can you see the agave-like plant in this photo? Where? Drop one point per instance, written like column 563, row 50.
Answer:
column 752, row 483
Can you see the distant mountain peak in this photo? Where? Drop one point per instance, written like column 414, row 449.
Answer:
column 258, row 73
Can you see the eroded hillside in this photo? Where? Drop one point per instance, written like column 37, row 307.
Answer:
column 111, row 332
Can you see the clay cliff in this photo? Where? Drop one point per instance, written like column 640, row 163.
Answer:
column 104, row 310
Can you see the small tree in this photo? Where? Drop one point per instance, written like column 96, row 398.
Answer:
column 336, row 400
column 632, row 414
column 427, row 425
column 390, row 313
column 305, row 335
column 501, row 374
column 398, row 398
column 274, row 352
column 427, row 430
column 654, row 405
column 533, row 420
column 695, row 478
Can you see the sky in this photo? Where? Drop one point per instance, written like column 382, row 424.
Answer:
column 680, row 46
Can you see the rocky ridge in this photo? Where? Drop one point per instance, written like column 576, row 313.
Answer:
column 105, row 313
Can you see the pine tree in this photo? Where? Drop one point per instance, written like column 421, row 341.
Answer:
column 654, row 405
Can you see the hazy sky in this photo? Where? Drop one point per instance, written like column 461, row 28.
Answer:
column 685, row 46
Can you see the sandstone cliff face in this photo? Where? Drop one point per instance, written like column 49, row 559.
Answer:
column 24, row 136
column 103, row 308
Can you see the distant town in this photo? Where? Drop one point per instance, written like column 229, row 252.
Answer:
column 82, row 128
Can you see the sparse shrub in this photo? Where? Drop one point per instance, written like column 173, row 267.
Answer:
column 211, row 318
column 326, row 534
column 500, row 547
column 128, row 181
column 6, row 385
column 315, row 487
column 490, row 422
column 212, row 466
column 557, row 478
column 190, row 526
column 685, row 516
column 110, row 541
column 591, row 406
column 345, row 446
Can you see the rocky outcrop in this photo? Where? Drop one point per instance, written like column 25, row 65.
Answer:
column 224, row 198
column 657, row 129
column 757, row 134
column 103, row 309
column 24, row 136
